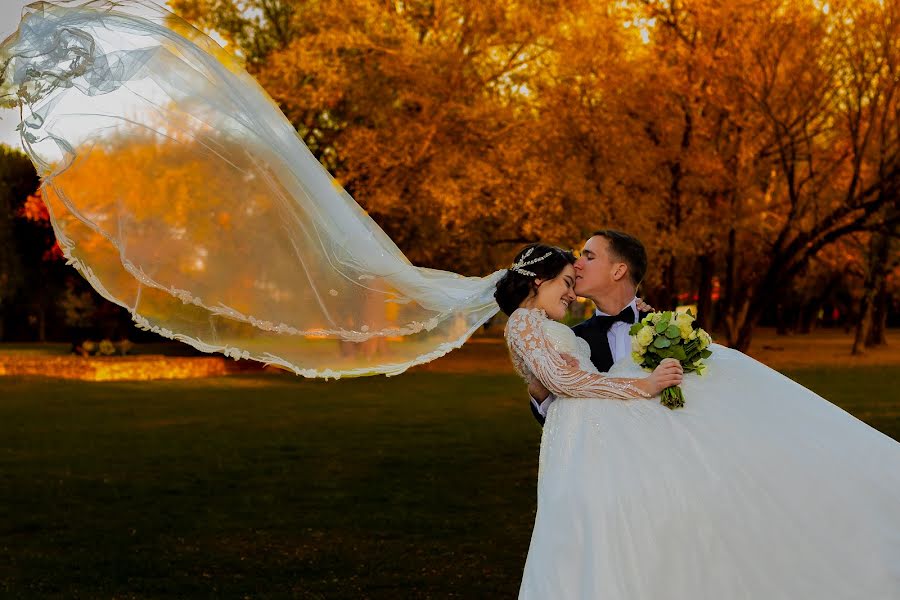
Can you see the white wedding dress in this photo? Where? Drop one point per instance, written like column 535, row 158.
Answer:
column 757, row 489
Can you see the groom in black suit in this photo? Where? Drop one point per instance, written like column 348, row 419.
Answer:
column 608, row 272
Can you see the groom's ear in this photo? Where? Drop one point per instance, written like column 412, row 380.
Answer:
column 620, row 272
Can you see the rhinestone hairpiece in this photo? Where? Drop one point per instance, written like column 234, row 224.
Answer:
column 517, row 266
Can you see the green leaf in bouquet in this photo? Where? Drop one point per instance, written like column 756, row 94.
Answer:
column 635, row 328
column 662, row 325
column 678, row 352
column 673, row 332
column 706, row 353
column 661, row 342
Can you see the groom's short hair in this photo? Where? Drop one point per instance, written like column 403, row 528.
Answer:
column 629, row 250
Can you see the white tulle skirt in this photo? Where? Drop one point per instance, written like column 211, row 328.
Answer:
column 757, row 489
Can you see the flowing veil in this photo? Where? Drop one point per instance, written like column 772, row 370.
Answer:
column 181, row 192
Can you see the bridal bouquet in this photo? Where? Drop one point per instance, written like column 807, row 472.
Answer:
column 670, row 335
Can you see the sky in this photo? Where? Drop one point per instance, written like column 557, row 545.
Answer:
column 10, row 11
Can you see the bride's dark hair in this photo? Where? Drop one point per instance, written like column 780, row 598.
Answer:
column 518, row 281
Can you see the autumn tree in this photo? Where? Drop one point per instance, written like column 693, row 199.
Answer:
column 802, row 102
column 882, row 259
column 429, row 114
column 739, row 140
column 17, row 180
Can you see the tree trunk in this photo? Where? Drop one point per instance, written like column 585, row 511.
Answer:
column 671, row 292
column 745, row 330
column 808, row 317
column 879, row 247
column 42, row 324
column 782, row 326
column 758, row 299
column 726, row 300
column 878, row 333
column 864, row 323
column 877, row 259
column 704, row 300
column 734, row 321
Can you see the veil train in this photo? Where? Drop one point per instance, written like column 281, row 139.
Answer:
column 180, row 191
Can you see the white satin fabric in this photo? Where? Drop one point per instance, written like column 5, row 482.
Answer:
column 758, row 489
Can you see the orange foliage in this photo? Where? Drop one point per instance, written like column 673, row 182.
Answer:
column 744, row 137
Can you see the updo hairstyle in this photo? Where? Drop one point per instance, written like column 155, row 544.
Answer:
column 518, row 282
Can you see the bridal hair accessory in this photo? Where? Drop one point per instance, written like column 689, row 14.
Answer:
column 517, row 266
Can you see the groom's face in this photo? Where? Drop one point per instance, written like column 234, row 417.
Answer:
column 595, row 269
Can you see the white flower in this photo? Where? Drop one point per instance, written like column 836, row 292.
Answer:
column 685, row 325
column 685, row 316
column 637, row 348
column 645, row 336
column 705, row 340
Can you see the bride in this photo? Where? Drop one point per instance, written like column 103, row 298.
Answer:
column 181, row 192
column 756, row 489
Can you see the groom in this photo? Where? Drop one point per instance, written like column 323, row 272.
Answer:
column 608, row 272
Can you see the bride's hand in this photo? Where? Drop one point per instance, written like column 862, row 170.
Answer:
column 643, row 306
column 668, row 373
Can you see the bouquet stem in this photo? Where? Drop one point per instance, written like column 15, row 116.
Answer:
column 672, row 397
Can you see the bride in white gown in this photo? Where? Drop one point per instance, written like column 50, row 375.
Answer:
column 757, row 489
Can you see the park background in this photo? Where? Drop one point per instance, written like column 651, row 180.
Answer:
column 754, row 147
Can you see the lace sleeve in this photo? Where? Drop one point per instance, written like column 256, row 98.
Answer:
column 531, row 350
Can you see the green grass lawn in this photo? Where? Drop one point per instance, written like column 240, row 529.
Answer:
column 262, row 486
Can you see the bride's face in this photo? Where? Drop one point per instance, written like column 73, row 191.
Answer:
column 555, row 295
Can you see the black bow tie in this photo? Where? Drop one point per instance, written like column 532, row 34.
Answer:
column 626, row 316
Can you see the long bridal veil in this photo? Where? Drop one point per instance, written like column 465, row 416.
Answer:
column 181, row 192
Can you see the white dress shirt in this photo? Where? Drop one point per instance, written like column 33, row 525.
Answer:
column 618, row 336
column 619, row 340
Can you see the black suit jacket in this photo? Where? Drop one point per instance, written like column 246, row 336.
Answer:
column 593, row 331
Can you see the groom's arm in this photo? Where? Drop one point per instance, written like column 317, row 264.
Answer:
column 538, row 392
column 541, row 397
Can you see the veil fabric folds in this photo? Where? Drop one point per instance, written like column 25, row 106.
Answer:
column 181, row 192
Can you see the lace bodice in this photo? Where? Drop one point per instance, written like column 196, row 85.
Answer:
column 549, row 352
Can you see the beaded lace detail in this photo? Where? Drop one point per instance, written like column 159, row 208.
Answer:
column 536, row 358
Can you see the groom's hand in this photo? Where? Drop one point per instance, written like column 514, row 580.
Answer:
column 538, row 391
